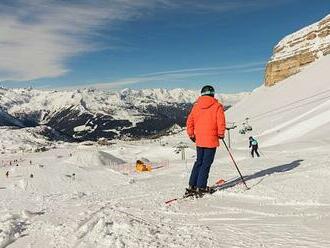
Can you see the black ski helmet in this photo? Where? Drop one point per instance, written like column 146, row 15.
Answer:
column 208, row 90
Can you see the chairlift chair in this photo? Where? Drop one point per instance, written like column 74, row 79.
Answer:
column 248, row 128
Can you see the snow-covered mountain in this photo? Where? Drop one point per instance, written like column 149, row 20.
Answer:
column 293, row 111
column 90, row 114
column 89, row 196
column 15, row 140
column 296, row 110
column 297, row 50
column 8, row 120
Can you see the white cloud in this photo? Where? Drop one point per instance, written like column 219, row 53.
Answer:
column 220, row 5
column 168, row 76
column 215, row 68
column 38, row 37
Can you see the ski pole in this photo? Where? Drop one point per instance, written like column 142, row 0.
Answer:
column 266, row 156
column 231, row 156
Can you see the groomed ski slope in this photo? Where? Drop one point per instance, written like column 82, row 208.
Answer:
column 294, row 110
column 79, row 201
column 287, row 205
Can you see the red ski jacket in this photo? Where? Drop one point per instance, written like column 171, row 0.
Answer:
column 206, row 122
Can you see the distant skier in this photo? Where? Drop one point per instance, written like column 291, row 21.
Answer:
column 205, row 126
column 254, row 144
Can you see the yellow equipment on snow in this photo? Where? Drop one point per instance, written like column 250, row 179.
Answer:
column 142, row 167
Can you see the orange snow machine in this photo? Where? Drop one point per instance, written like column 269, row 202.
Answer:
column 140, row 166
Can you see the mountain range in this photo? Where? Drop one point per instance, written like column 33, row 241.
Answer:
column 90, row 114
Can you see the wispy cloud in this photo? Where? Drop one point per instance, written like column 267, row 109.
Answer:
column 215, row 68
column 172, row 75
column 38, row 37
column 220, row 5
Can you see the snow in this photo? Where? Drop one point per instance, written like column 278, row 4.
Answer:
column 98, row 207
column 120, row 105
column 296, row 42
column 290, row 110
column 82, row 128
column 21, row 140
column 77, row 199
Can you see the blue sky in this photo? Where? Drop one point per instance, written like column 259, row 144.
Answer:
column 145, row 43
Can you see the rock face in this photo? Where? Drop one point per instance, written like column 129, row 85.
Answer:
column 297, row 50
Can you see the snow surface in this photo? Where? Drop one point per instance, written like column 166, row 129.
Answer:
column 296, row 110
column 14, row 140
column 79, row 201
column 77, row 198
column 296, row 42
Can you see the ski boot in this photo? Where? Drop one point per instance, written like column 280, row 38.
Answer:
column 190, row 191
column 200, row 192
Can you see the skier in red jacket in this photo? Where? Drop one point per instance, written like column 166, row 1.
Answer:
column 206, row 124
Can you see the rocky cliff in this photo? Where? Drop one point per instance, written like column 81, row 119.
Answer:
column 297, row 50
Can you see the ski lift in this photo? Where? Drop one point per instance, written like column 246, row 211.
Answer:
column 246, row 126
column 230, row 126
column 242, row 131
column 181, row 148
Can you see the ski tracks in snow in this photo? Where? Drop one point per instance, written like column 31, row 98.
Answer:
column 89, row 221
column 12, row 227
column 113, row 227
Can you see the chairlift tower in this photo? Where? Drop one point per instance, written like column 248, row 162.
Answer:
column 182, row 146
column 233, row 126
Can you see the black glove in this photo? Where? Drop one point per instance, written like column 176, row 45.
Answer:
column 221, row 137
column 193, row 139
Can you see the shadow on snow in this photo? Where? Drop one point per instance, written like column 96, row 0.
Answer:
column 262, row 174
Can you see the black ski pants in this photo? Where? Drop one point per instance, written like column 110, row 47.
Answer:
column 254, row 150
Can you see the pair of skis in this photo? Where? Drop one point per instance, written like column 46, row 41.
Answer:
column 217, row 187
column 190, row 195
column 213, row 189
